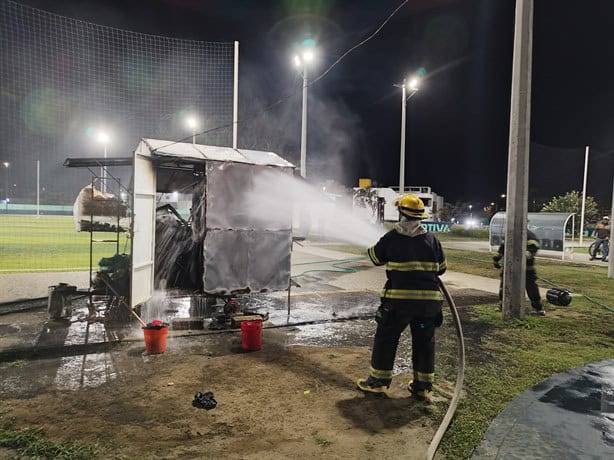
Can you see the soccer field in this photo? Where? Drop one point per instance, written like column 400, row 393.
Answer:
column 50, row 243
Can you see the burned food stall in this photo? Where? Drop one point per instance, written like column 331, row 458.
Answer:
column 199, row 223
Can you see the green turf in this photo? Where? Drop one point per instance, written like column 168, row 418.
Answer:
column 50, row 243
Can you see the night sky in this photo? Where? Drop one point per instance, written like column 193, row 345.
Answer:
column 457, row 132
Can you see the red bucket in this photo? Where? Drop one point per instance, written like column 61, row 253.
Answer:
column 251, row 335
column 155, row 339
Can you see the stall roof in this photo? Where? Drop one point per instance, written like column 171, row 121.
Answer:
column 96, row 162
column 198, row 152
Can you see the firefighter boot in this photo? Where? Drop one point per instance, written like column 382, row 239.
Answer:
column 373, row 385
column 420, row 391
column 538, row 309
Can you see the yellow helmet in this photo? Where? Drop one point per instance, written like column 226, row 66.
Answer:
column 411, row 206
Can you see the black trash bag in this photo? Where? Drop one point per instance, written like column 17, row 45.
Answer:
column 558, row 297
column 204, row 400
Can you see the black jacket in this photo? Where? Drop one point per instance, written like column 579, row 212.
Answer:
column 413, row 264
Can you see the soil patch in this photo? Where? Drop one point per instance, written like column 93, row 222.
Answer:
column 290, row 402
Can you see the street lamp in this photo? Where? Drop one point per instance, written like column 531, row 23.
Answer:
column 192, row 123
column 6, row 185
column 103, row 138
column 503, row 195
column 302, row 61
column 413, row 85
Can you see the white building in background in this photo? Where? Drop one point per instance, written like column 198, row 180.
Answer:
column 432, row 202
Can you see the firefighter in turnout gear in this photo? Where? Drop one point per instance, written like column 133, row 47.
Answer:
column 414, row 259
column 530, row 274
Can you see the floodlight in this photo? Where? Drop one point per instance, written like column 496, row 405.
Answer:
column 102, row 137
column 308, row 56
column 191, row 122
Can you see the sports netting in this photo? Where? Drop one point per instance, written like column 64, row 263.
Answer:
column 63, row 82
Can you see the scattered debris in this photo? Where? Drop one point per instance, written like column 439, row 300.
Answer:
column 204, row 400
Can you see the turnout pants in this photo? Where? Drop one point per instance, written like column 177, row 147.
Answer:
column 391, row 322
column 531, row 287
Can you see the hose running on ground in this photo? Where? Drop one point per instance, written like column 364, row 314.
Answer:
column 552, row 283
column 460, row 376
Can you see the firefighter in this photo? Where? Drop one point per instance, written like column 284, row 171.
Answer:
column 530, row 274
column 411, row 296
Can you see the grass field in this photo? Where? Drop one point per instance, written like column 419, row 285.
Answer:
column 50, row 243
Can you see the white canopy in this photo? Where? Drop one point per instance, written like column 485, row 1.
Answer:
column 196, row 152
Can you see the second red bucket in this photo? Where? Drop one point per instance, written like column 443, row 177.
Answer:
column 155, row 338
column 251, row 335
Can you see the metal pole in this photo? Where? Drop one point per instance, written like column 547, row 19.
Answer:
column 6, row 187
column 235, row 103
column 403, row 119
column 304, row 126
column 103, row 172
column 610, row 259
column 518, row 165
column 584, row 194
column 38, row 187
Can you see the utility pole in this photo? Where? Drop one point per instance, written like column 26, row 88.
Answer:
column 583, row 195
column 38, row 187
column 235, row 98
column 610, row 258
column 304, row 126
column 402, row 159
column 518, row 165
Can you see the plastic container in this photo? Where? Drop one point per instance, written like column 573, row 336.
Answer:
column 59, row 302
column 155, row 338
column 251, row 335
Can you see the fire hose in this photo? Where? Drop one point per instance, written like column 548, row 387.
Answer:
column 460, row 375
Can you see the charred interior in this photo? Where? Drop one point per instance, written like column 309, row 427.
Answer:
column 215, row 234
column 179, row 238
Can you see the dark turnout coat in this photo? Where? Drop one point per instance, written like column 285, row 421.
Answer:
column 413, row 264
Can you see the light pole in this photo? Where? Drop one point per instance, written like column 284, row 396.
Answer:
column 103, row 138
column 192, row 123
column 302, row 61
column 6, row 185
column 412, row 85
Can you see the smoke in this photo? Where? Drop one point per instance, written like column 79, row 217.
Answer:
column 317, row 213
column 335, row 137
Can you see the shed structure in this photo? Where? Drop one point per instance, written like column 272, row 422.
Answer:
column 225, row 246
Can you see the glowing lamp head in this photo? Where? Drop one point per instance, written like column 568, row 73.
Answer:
column 102, row 137
column 6, row 164
column 308, row 55
column 191, row 122
column 413, row 84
